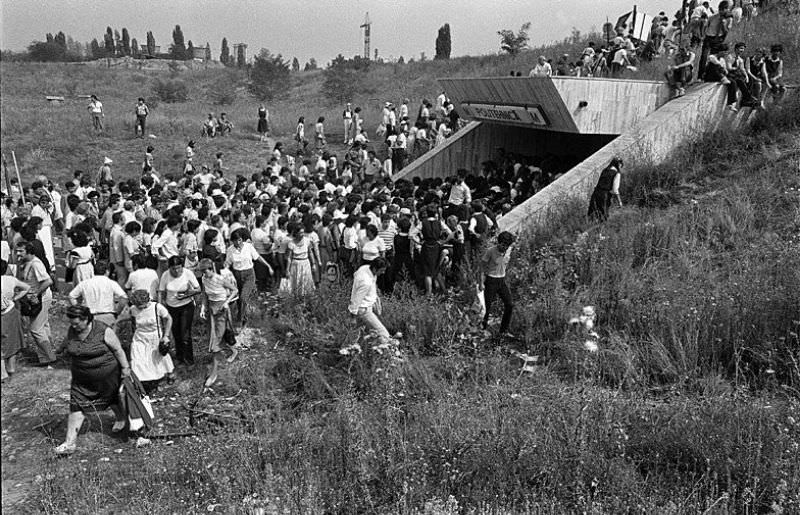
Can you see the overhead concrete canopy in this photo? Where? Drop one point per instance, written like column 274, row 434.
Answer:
column 582, row 105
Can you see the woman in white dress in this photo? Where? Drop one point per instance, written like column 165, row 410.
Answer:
column 153, row 326
column 81, row 257
column 301, row 280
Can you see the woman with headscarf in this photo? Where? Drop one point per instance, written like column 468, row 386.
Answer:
column 98, row 365
column 151, row 335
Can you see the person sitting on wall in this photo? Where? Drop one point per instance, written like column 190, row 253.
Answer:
column 679, row 74
column 716, row 69
column 737, row 73
column 773, row 72
column 606, row 189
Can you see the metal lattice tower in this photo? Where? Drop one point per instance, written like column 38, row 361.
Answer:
column 366, row 26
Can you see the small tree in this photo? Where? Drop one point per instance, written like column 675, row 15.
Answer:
column 108, row 42
column 295, row 65
column 178, row 44
column 151, row 43
column 512, row 43
column 269, row 76
column 225, row 52
column 135, row 48
column 240, row 59
column 117, row 43
column 443, row 42
column 401, row 60
column 189, row 51
column 126, row 42
column 310, row 65
column 208, row 51
column 95, row 50
column 343, row 78
column 61, row 40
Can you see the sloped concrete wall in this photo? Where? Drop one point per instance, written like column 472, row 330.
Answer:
column 652, row 140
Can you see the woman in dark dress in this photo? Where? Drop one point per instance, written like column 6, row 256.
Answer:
column 431, row 234
column 98, row 366
column 607, row 187
column 263, row 122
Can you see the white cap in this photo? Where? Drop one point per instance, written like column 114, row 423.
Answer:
column 107, row 161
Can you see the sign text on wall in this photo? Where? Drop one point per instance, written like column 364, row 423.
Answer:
column 512, row 114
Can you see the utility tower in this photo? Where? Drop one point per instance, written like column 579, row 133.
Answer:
column 365, row 26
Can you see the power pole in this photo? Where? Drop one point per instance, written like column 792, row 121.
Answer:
column 366, row 26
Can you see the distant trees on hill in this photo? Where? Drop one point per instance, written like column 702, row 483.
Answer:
column 178, row 45
column 514, row 43
column 113, row 43
column 295, row 65
column 151, row 43
column 443, row 42
column 310, row 65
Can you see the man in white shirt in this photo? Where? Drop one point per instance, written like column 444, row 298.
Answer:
column 365, row 305
column 100, row 294
column 460, row 198
column 542, row 68
column 96, row 110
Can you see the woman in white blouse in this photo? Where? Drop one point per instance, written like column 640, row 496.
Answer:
column 240, row 257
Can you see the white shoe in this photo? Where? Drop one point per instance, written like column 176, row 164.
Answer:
column 65, row 449
column 142, row 441
column 118, row 426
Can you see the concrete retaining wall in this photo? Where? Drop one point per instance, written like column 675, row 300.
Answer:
column 701, row 110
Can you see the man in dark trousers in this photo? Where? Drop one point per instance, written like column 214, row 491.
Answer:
column 492, row 280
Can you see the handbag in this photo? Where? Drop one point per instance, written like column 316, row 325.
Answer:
column 30, row 305
column 163, row 347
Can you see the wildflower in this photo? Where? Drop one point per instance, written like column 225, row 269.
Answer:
column 350, row 349
column 590, row 345
column 526, row 358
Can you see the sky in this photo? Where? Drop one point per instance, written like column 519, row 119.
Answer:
column 314, row 28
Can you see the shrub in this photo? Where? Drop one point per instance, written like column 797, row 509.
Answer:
column 269, row 76
column 170, row 90
column 223, row 90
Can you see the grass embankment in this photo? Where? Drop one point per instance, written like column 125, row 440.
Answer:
column 690, row 404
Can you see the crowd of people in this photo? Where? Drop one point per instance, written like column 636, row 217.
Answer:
column 165, row 250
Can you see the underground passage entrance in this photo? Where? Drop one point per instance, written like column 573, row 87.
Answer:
column 552, row 123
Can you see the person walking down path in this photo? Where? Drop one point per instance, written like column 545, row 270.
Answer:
column 98, row 365
column 12, row 335
column 95, row 109
column 263, row 123
column 152, row 329
column 493, row 283
column 32, row 271
column 365, row 305
column 177, row 289
column 220, row 292
column 141, row 112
